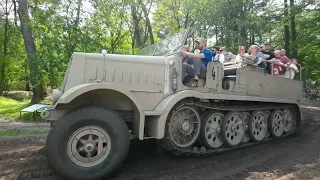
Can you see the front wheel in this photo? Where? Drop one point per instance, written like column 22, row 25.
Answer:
column 88, row 143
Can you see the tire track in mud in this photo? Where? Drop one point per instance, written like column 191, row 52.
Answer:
column 25, row 158
column 229, row 165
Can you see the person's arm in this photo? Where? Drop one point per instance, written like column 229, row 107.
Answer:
column 221, row 58
column 294, row 67
column 200, row 56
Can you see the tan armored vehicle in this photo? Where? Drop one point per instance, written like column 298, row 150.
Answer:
column 107, row 99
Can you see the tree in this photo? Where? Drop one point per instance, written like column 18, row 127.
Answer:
column 33, row 61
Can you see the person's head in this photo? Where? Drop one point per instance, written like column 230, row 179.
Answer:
column 214, row 49
column 294, row 61
column 242, row 50
column 186, row 48
column 283, row 52
column 254, row 49
column 201, row 43
column 217, row 49
column 267, row 46
column 223, row 50
column 277, row 53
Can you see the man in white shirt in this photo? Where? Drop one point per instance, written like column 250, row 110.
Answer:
column 227, row 55
column 219, row 56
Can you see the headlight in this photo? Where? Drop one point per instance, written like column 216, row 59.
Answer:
column 56, row 94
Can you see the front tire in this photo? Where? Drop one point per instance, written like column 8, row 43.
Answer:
column 88, row 143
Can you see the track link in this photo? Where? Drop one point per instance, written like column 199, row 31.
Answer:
column 198, row 150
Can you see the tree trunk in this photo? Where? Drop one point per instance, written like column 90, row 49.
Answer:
column 294, row 52
column 146, row 14
column 33, row 62
column 136, row 21
column 15, row 12
column 5, row 47
column 286, row 28
column 75, row 28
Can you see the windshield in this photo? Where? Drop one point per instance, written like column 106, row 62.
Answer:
column 167, row 46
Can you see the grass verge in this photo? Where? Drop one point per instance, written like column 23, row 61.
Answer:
column 21, row 133
column 10, row 109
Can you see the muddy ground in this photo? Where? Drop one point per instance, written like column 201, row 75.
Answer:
column 294, row 157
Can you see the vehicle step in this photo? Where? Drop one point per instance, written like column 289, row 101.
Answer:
column 152, row 113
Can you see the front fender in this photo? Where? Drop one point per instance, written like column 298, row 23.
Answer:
column 167, row 104
column 78, row 90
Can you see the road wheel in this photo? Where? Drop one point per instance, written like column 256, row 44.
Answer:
column 233, row 129
column 246, row 117
column 211, row 135
column 288, row 120
column 88, row 143
column 275, row 124
column 257, row 128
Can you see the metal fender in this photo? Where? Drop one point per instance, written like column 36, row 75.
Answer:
column 166, row 105
column 76, row 91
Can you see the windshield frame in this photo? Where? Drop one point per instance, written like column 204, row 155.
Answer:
column 175, row 49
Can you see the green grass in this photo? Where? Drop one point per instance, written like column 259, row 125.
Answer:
column 21, row 133
column 10, row 109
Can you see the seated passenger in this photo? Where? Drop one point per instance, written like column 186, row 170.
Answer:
column 267, row 51
column 219, row 56
column 192, row 69
column 228, row 56
column 291, row 69
column 283, row 58
column 205, row 54
column 277, row 65
column 237, row 62
column 255, row 53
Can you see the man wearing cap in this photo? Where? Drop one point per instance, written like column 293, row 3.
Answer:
column 267, row 51
column 192, row 69
column 205, row 55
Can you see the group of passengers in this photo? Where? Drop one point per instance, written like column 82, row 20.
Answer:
column 195, row 64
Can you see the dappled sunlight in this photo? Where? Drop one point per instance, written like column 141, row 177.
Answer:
column 299, row 171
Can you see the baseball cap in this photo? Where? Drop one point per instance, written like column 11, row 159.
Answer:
column 201, row 39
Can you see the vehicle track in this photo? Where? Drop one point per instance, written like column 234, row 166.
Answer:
column 293, row 156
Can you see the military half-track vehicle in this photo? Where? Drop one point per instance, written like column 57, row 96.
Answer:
column 107, row 99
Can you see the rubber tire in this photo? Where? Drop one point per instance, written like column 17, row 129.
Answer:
column 89, row 115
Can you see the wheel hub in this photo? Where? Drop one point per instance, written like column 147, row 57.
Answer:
column 218, row 130
column 185, row 125
column 233, row 128
column 89, row 147
column 257, row 125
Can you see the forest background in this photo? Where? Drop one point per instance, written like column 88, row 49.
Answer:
column 37, row 37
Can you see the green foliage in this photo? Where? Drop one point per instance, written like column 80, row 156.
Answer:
column 62, row 27
column 10, row 108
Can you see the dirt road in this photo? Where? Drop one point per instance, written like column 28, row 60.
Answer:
column 294, row 157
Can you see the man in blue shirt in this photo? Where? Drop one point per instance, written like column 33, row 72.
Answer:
column 205, row 55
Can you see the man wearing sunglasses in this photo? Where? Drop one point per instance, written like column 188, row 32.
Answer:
column 219, row 56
